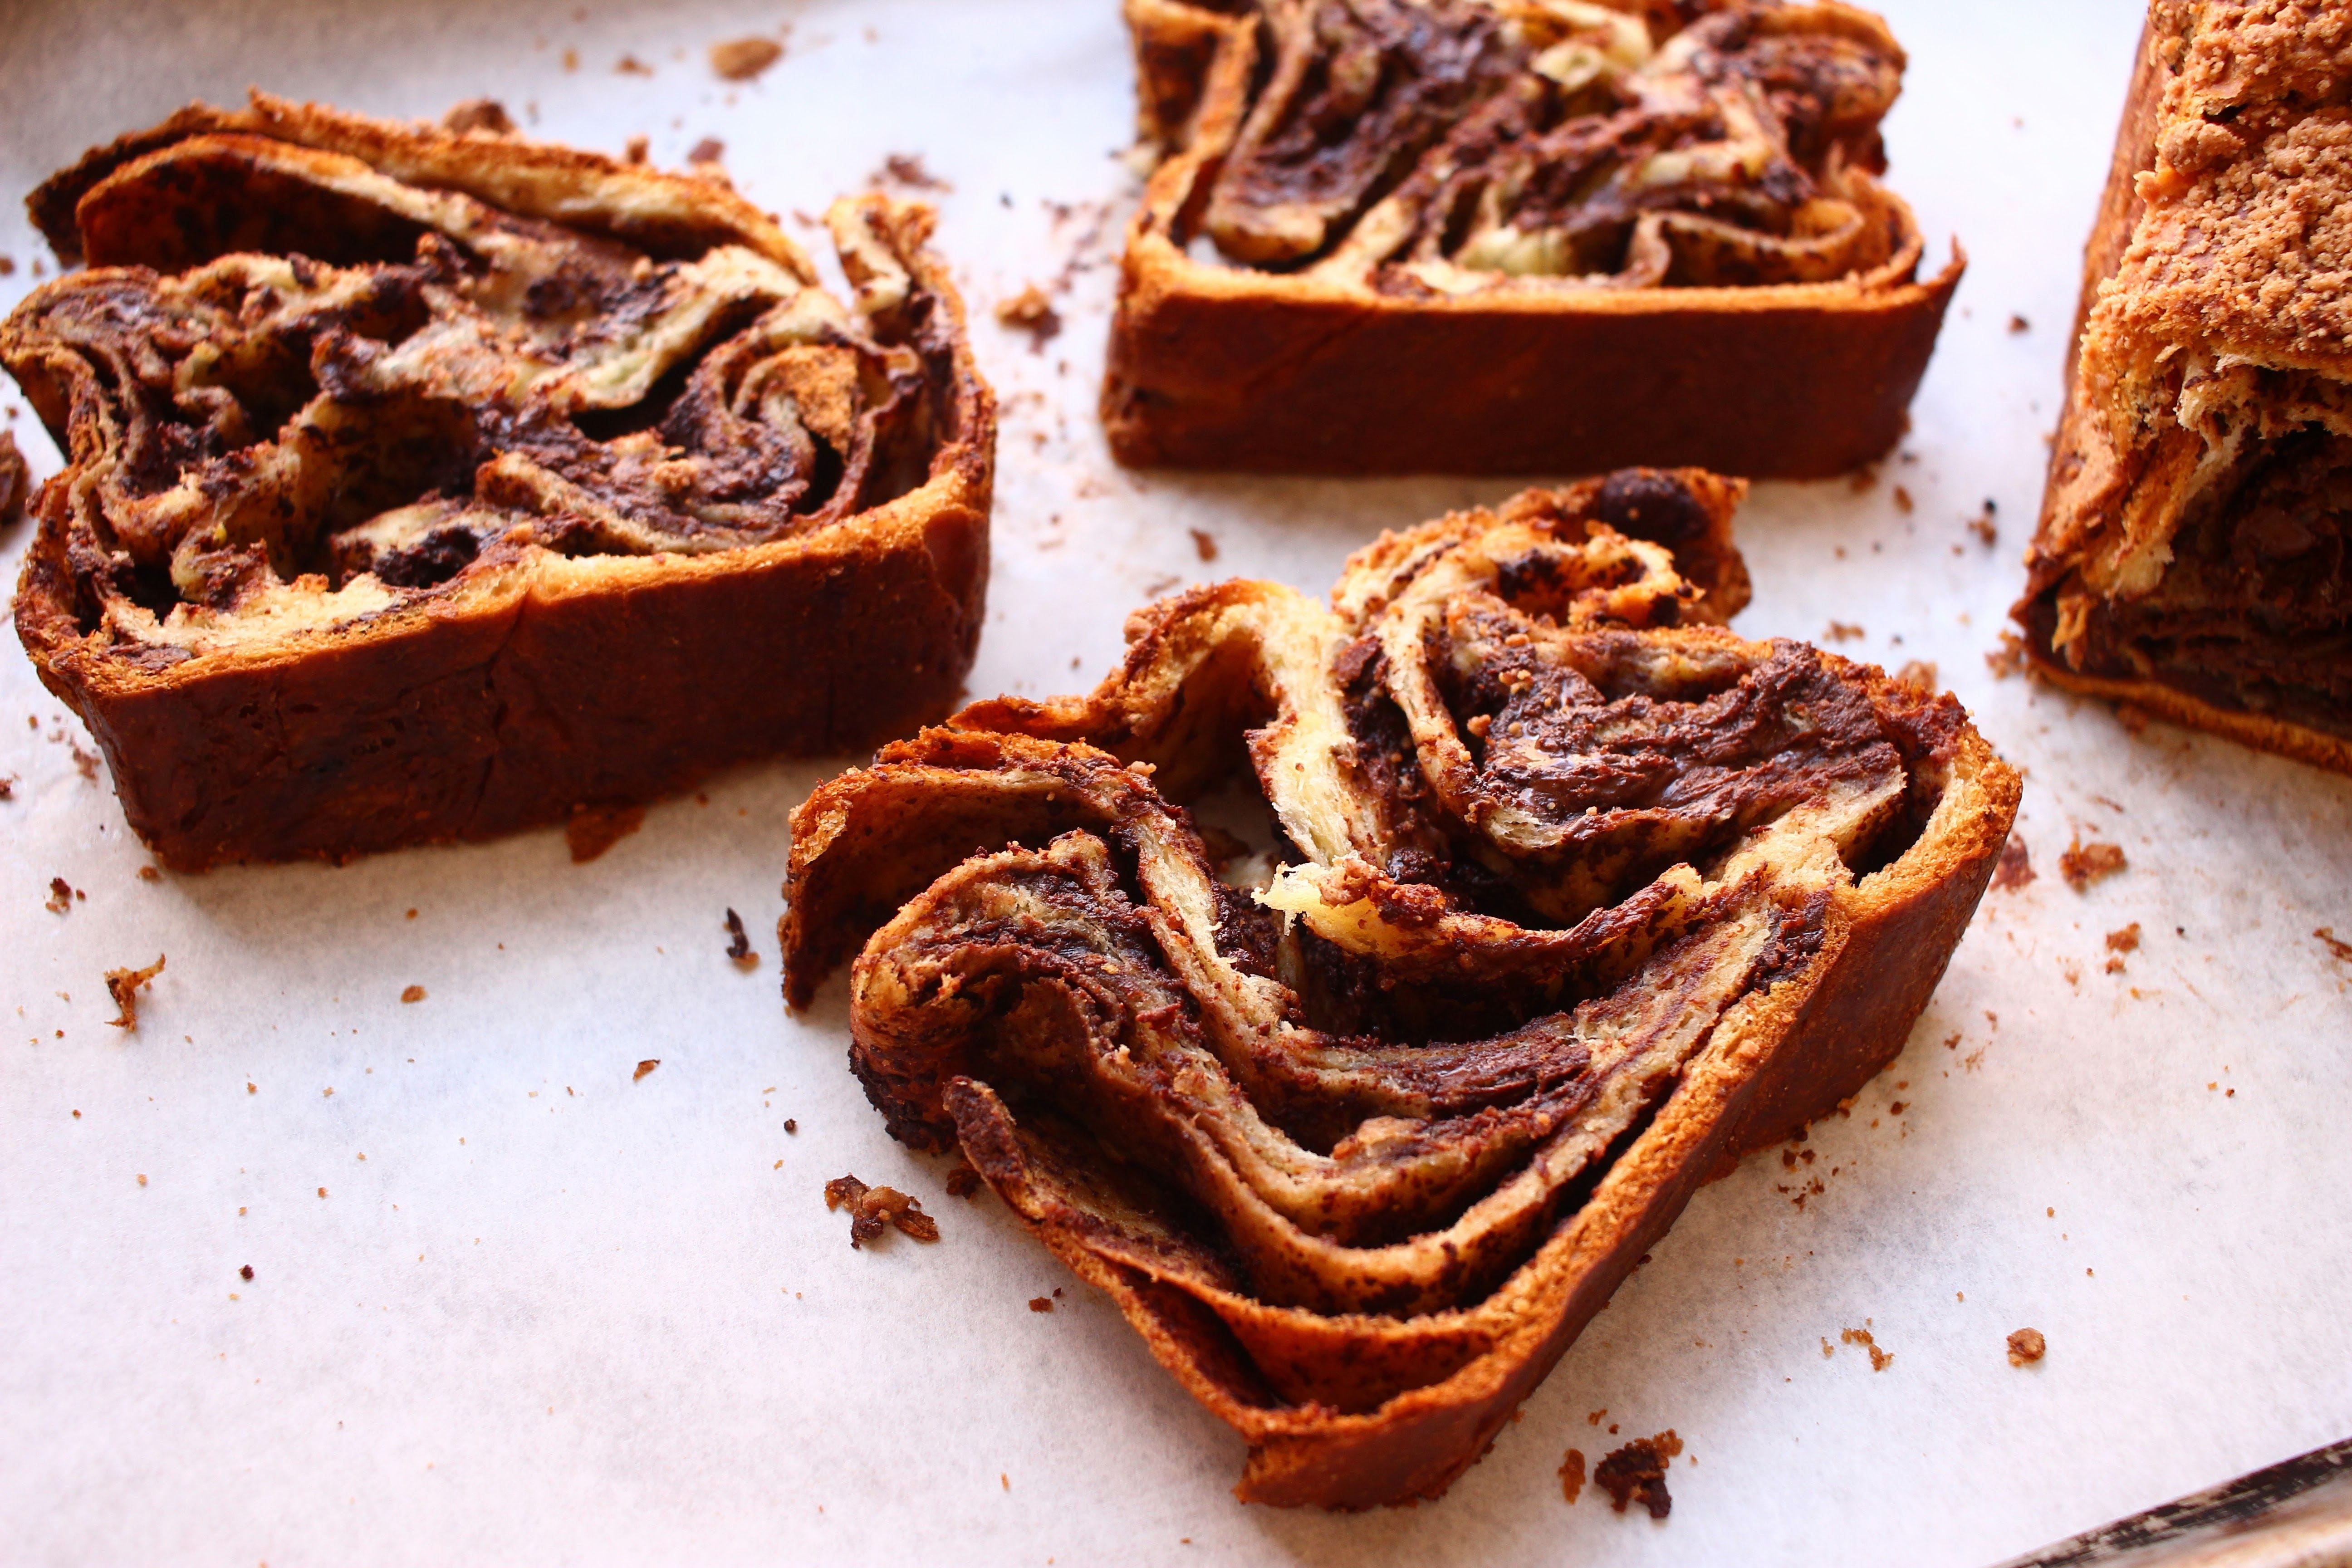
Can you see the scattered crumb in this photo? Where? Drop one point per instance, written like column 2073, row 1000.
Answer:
column 1919, row 675
column 61, row 898
column 9, row 787
column 484, row 114
column 791, row 1125
column 2009, row 658
column 644, row 1067
column 1637, row 1473
column 2341, row 951
column 2083, row 864
column 873, row 1210
column 1879, row 1359
column 1982, row 526
column 2126, row 940
column 413, row 994
column 149, row 874
column 596, row 829
column 636, row 149
column 571, row 60
column 1041, row 1303
column 629, row 65
column 1842, row 632
column 963, row 1182
column 2020, row 324
column 742, row 59
column 1572, row 1476
column 322, row 1192
column 2014, row 870
column 738, row 945
column 705, row 156
column 1204, row 544
column 1903, row 502
column 2027, row 1345
column 7, row 267
column 1031, row 312
column 246, row 1272
column 1593, row 1418
column 907, row 169
column 123, row 985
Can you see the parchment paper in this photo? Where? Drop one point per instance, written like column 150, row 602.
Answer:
column 509, row 1303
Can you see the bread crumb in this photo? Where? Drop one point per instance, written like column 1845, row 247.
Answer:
column 2126, row 940
column 123, row 985
column 413, row 994
column 596, row 829
column 61, row 896
column 907, row 169
column 1031, row 312
column 634, row 150
column 2009, row 658
column 1041, row 1303
column 2083, row 864
column 1903, row 502
column 2339, row 950
column 149, row 874
column 703, row 157
column 1841, row 631
column 2026, row 1346
column 1204, row 544
column 322, row 1192
column 486, row 115
column 142, row 1180
column 1637, row 1473
column 2019, row 324
column 791, row 1125
column 629, row 65
column 644, row 1067
column 873, row 1209
column 1879, row 1359
column 742, row 59
column 738, row 944
column 963, row 1182
column 1572, row 1476
column 246, row 1272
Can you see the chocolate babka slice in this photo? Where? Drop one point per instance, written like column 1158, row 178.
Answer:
column 2195, row 550
column 425, row 484
column 1574, row 895
column 1515, row 236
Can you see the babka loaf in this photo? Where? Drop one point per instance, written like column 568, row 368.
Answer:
column 1516, row 235
column 425, row 484
column 2195, row 550
column 1575, row 895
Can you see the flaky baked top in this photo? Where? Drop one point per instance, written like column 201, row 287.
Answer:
column 320, row 365
column 1451, row 146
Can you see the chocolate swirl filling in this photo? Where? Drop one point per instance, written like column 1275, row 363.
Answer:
column 1552, row 849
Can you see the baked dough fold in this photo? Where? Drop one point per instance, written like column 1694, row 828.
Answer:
column 1573, row 895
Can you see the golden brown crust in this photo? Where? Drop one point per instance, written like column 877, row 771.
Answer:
column 554, row 668
column 1378, row 1160
column 1335, row 369
column 2189, row 558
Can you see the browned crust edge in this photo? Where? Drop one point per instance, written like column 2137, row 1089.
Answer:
column 1232, row 368
column 554, row 683
column 2079, row 428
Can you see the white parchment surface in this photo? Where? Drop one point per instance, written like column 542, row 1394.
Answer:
column 511, row 1304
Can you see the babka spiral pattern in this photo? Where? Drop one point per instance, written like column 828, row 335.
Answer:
column 1574, row 892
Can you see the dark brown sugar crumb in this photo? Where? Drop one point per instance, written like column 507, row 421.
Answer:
column 2083, row 864
column 2026, row 1346
column 742, row 59
column 873, row 1210
column 246, row 1272
column 1204, row 544
column 1637, row 1473
column 1572, row 1476
column 1041, row 1303
column 738, row 944
column 60, row 897
column 123, row 985
column 644, row 1067
column 791, row 1125
column 963, row 1182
